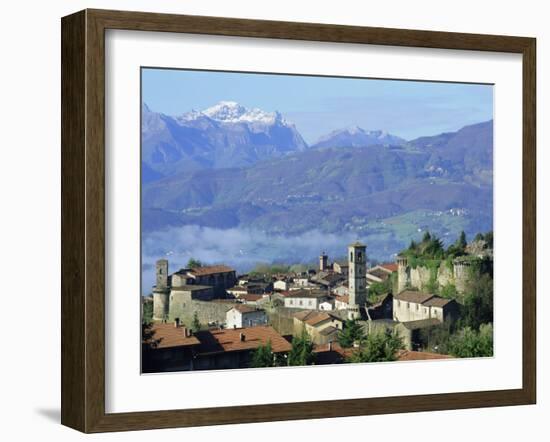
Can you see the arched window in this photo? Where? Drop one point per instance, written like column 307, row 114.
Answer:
column 351, row 256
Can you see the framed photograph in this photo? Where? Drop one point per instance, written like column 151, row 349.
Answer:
column 266, row 221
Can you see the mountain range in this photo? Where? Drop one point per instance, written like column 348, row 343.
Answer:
column 224, row 135
column 229, row 166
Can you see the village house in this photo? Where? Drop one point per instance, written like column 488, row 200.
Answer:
column 281, row 285
column 413, row 306
column 220, row 277
column 305, row 299
column 178, row 349
column 322, row 327
column 237, row 290
column 341, row 267
column 245, row 316
column 328, row 279
column 381, row 273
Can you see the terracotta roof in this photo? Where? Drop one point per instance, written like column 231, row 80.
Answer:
column 407, row 355
column 344, row 298
column 335, row 355
column 412, row 296
column 210, row 270
column 437, row 301
column 306, row 294
column 245, row 308
column 329, row 330
column 391, row 266
column 171, row 336
column 312, row 317
column 357, row 244
column 227, row 340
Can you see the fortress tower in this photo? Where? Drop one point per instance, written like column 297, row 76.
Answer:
column 357, row 256
column 161, row 292
column 402, row 273
column 323, row 262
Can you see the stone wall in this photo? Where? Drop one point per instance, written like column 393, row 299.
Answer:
column 419, row 278
column 282, row 319
column 207, row 311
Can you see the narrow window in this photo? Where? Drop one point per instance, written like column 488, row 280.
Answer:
column 351, row 256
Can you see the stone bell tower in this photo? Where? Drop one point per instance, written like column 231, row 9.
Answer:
column 323, row 262
column 357, row 257
column 161, row 292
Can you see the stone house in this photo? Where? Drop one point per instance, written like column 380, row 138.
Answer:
column 413, row 306
column 305, row 299
column 322, row 327
column 220, row 277
column 341, row 267
column 241, row 316
column 281, row 285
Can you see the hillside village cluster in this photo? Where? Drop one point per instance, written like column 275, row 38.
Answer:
column 208, row 317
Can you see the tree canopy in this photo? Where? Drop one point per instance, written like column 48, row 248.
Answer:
column 378, row 347
column 352, row 332
column 302, row 350
column 263, row 356
column 469, row 343
column 194, row 263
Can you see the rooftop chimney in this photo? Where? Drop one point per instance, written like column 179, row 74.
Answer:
column 330, row 346
column 177, row 322
column 242, row 337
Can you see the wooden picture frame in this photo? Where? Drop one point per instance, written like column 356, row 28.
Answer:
column 83, row 219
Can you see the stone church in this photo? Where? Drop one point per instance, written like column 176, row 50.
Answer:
column 173, row 291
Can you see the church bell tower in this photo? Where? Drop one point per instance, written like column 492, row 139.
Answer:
column 357, row 256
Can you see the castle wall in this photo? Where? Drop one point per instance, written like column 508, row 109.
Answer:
column 207, row 311
column 419, row 277
column 160, row 305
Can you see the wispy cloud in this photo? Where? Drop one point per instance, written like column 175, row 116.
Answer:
column 240, row 248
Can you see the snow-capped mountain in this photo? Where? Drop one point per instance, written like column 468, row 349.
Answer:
column 222, row 136
column 357, row 137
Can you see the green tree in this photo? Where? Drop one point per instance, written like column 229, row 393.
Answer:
column 147, row 314
column 479, row 237
column 469, row 343
column 196, row 325
column 378, row 347
column 461, row 242
column 352, row 332
column 302, row 350
column 436, row 339
column 427, row 237
column 478, row 302
column 489, row 239
column 448, row 291
column 193, row 263
column 263, row 356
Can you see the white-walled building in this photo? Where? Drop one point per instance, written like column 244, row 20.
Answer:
column 414, row 306
column 281, row 285
column 306, row 299
column 245, row 316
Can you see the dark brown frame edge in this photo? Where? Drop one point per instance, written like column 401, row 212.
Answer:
column 83, row 217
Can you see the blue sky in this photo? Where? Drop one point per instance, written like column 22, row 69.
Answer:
column 318, row 105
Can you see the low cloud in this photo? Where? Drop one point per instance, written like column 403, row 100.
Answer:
column 239, row 248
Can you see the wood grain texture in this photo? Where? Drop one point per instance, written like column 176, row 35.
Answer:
column 83, row 219
column 73, row 256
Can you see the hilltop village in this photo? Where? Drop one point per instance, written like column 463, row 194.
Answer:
column 431, row 303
